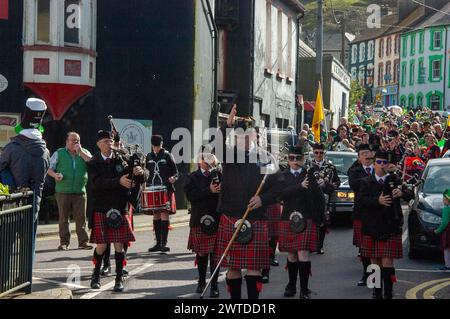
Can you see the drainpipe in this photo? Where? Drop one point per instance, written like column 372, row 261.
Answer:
column 213, row 119
column 297, row 73
column 252, row 57
column 444, row 106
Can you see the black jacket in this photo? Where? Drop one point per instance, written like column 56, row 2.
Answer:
column 379, row 221
column 203, row 201
column 310, row 202
column 167, row 168
column 105, row 177
column 240, row 182
column 356, row 174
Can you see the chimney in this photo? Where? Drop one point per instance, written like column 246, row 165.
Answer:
column 405, row 7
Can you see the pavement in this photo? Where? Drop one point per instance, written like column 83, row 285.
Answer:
column 50, row 232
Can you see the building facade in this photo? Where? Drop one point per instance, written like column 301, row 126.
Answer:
column 258, row 51
column 425, row 64
column 361, row 64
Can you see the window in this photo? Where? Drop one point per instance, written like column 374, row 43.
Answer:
column 280, row 42
column 380, row 74
column 413, row 44
column 403, row 100
column 404, row 46
column 370, row 50
column 403, row 76
column 72, row 19
column 434, row 100
column 411, row 101
column 396, row 71
column 419, row 99
column 354, row 53
column 388, row 76
column 421, row 72
column 388, row 46
column 269, row 35
column 354, row 73
column 289, row 49
column 397, row 44
column 369, row 77
column 436, row 42
column 437, row 39
column 435, row 74
column 381, row 49
column 412, row 72
column 421, row 41
column 362, row 52
column 362, row 75
column 43, row 21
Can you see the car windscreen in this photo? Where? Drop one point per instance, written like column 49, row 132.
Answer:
column 437, row 179
column 342, row 162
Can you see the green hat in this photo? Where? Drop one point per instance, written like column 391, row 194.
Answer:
column 447, row 193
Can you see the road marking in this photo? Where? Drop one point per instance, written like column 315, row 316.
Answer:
column 112, row 283
column 412, row 293
column 423, row 270
column 429, row 293
column 85, row 267
column 138, row 229
column 60, row 283
column 405, row 235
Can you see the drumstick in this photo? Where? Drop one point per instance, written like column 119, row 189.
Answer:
column 238, row 229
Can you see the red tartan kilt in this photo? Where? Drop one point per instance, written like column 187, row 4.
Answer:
column 172, row 211
column 273, row 214
column 102, row 234
column 445, row 238
column 200, row 242
column 391, row 248
column 357, row 226
column 251, row 256
column 307, row 240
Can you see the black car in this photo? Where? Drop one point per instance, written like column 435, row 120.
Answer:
column 426, row 210
column 342, row 199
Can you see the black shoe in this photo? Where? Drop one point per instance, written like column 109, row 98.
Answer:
column 265, row 279
column 321, row 252
column 274, row 262
column 305, row 295
column 164, row 248
column 377, row 293
column 106, row 270
column 95, row 282
column 124, row 272
column 290, row 291
column 362, row 282
column 155, row 248
column 214, row 292
column 118, row 287
column 200, row 287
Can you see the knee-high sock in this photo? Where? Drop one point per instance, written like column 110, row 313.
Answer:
column 120, row 263
column 273, row 246
column 388, row 276
column 234, row 288
column 304, row 270
column 107, row 256
column 97, row 261
column 254, row 286
column 202, row 264
column 293, row 271
column 157, row 228
column 365, row 263
column 164, row 231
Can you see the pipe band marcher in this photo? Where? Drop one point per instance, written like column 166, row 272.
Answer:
column 163, row 174
column 382, row 221
column 241, row 178
column 360, row 169
column 303, row 211
column 109, row 174
column 328, row 180
column 202, row 188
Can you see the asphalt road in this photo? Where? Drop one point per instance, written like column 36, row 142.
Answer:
column 173, row 275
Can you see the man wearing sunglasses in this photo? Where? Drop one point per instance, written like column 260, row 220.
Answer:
column 299, row 193
column 329, row 181
column 362, row 168
column 382, row 221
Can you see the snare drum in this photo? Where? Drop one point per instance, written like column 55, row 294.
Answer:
column 154, row 199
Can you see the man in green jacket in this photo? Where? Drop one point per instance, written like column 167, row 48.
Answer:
column 68, row 168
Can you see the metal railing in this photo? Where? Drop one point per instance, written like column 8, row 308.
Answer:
column 16, row 242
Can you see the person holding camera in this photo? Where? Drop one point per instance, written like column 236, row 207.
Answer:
column 68, row 168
